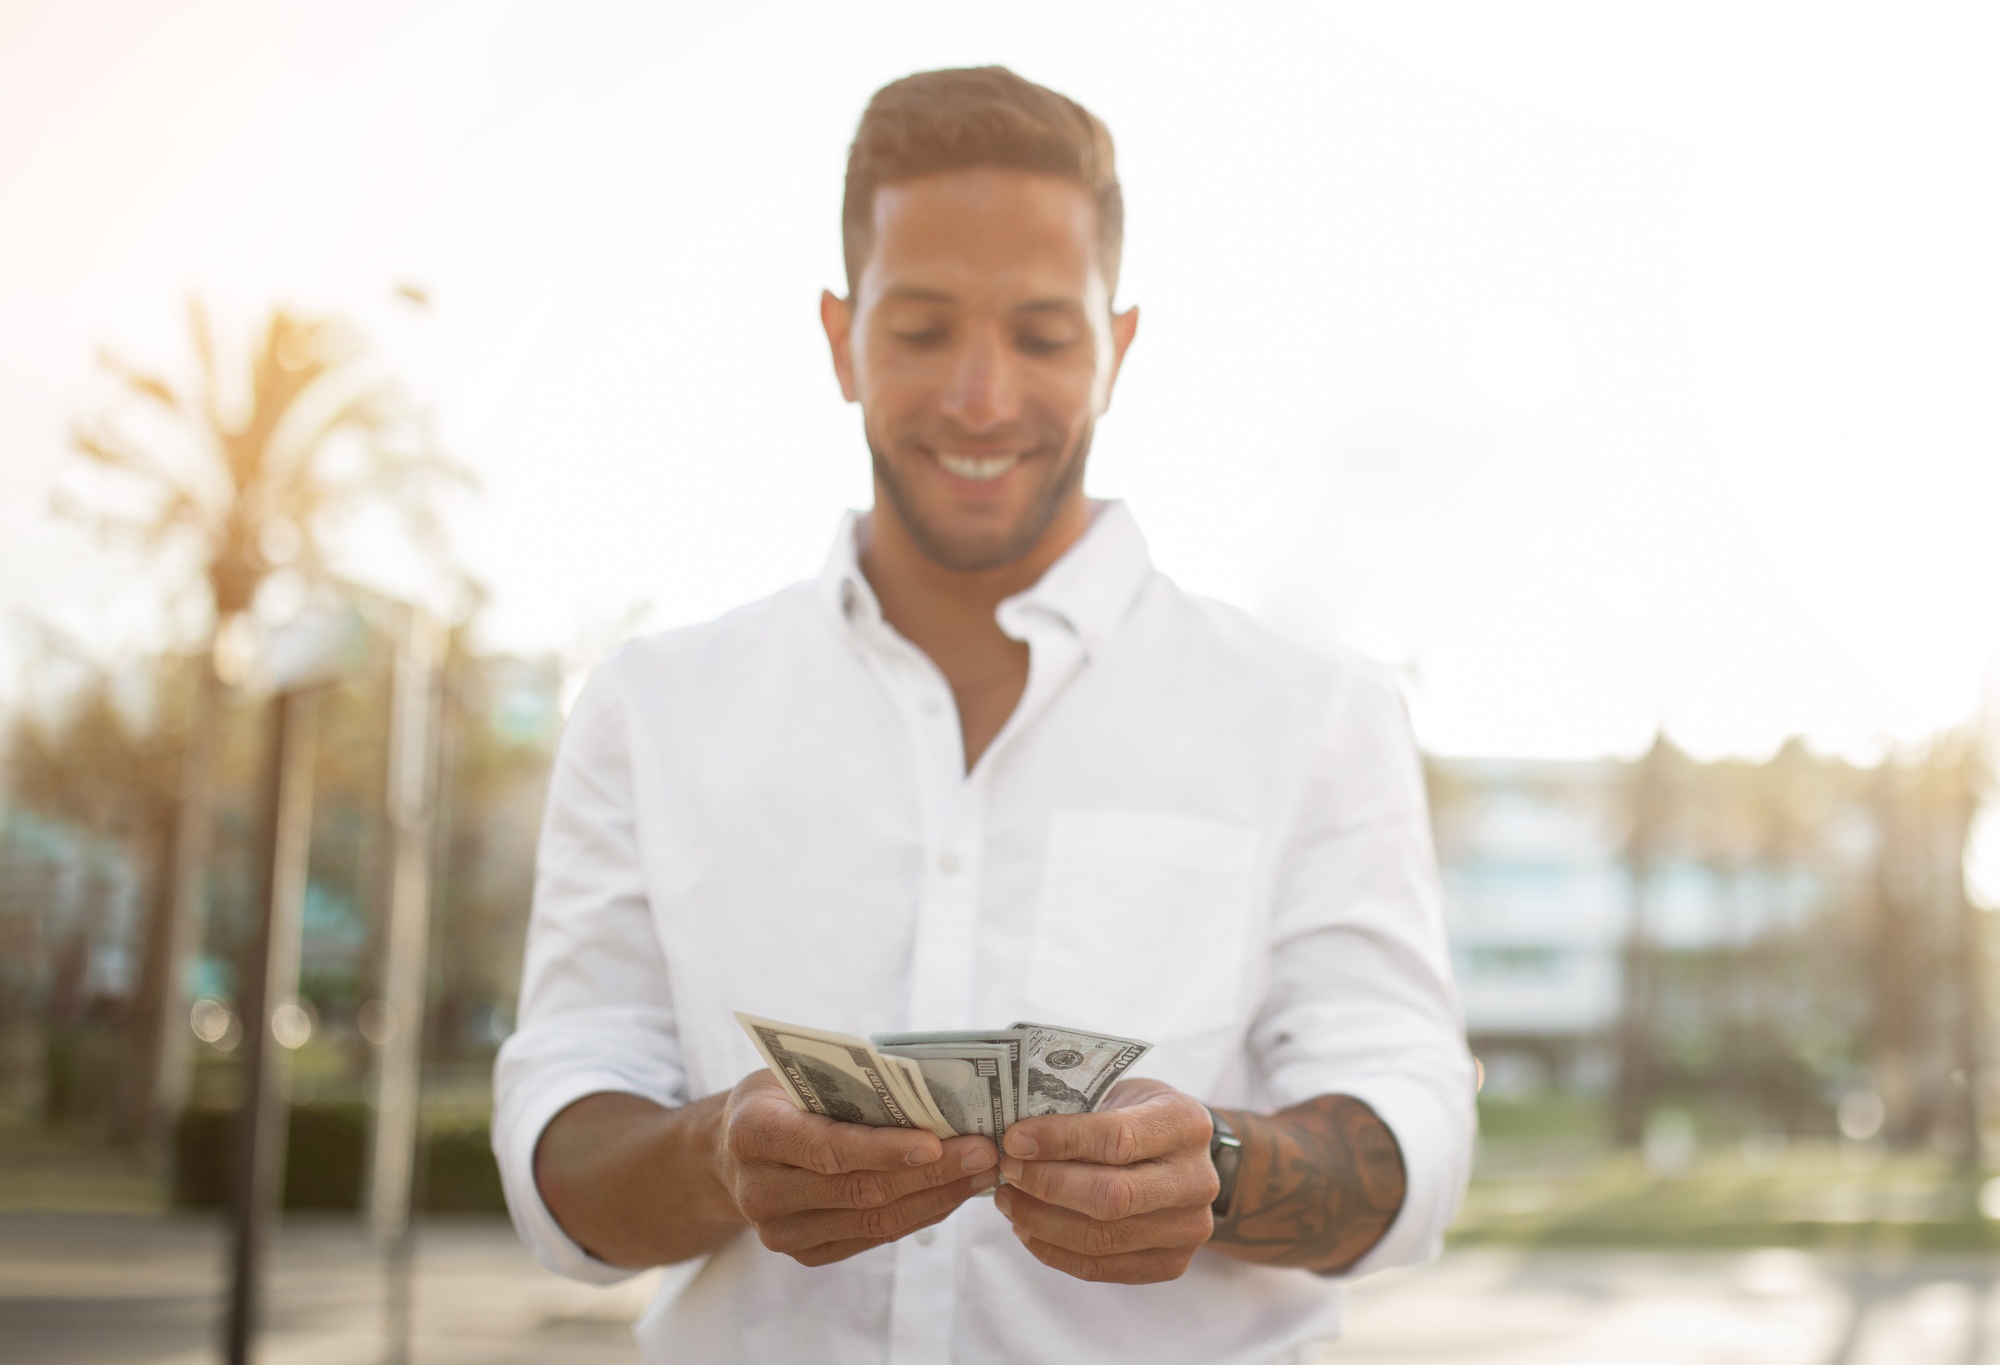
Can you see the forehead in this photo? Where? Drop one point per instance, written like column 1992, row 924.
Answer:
column 984, row 231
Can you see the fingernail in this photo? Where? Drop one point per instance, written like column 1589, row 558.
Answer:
column 976, row 1158
column 1021, row 1235
column 922, row 1156
column 1020, row 1144
column 1011, row 1167
column 985, row 1179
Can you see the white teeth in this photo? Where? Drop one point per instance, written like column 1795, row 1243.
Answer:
column 981, row 467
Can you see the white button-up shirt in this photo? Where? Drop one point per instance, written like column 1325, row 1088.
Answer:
column 1188, row 832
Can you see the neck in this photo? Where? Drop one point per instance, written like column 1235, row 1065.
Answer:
column 921, row 597
column 949, row 613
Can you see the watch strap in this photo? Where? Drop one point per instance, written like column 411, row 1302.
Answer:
column 1225, row 1151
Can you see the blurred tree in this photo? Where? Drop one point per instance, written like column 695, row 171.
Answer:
column 502, row 722
column 1926, row 951
column 105, row 776
column 242, row 481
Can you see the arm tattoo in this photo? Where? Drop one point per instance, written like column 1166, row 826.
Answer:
column 1317, row 1186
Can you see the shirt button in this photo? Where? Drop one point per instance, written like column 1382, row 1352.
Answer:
column 949, row 863
column 926, row 1237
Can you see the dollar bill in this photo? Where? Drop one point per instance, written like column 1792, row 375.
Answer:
column 950, row 1083
column 1010, row 1039
column 971, row 1083
column 915, row 1089
column 833, row 1074
column 1068, row 1071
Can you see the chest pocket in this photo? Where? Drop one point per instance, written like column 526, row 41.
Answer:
column 1143, row 923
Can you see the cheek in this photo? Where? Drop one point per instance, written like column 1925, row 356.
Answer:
column 890, row 387
column 1062, row 402
column 1079, row 388
column 896, row 407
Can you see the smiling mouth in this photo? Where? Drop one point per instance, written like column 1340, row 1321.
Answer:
column 979, row 468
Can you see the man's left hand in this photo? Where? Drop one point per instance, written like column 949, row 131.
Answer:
column 1120, row 1195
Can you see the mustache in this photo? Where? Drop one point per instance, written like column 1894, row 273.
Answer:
column 1028, row 437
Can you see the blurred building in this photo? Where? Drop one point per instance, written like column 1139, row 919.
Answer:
column 1537, row 902
column 1766, row 937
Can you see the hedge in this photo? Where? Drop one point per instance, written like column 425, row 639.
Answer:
column 326, row 1152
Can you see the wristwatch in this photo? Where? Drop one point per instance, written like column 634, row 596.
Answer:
column 1225, row 1149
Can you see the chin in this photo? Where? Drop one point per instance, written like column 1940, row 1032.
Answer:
column 970, row 550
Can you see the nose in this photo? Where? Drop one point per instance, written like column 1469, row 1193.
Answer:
column 985, row 390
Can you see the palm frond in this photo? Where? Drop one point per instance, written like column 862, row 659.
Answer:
column 146, row 385
column 211, row 376
column 274, row 468
column 108, row 450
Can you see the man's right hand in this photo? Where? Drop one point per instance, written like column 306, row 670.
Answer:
column 820, row 1191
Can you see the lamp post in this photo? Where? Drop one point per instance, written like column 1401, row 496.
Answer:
column 413, row 763
column 299, row 663
column 271, row 1005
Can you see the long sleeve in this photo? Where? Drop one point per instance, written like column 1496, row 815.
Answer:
column 596, row 1012
column 1361, row 1000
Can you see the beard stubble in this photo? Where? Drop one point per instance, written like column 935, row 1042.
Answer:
column 1021, row 538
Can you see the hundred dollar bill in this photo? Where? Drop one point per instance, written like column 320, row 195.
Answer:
column 1008, row 1038
column 833, row 1074
column 972, row 1083
column 916, row 1092
column 1067, row 1071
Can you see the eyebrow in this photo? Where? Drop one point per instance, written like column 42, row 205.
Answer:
column 911, row 293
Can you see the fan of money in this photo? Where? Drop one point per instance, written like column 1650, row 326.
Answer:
column 952, row 1084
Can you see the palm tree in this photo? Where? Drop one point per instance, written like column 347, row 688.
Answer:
column 246, row 484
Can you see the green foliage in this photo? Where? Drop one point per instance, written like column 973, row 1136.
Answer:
column 91, row 763
column 1564, row 1116
column 326, row 1157
column 1807, row 1197
column 460, row 1175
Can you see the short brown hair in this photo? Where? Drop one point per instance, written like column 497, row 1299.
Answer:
column 956, row 120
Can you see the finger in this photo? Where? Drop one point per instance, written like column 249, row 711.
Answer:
column 1158, row 1126
column 770, row 1190
column 793, row 1233
column 1162, row 1229
column 796, row 1232
column 1131, row 1267
column 1108, row 1193
column 766, row 1127
column 830, row 1252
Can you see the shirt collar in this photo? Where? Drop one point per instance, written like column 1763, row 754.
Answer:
column 1087, row 591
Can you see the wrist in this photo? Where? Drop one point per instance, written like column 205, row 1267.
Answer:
column 710, row 1137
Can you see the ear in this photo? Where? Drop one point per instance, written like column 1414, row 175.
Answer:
column 837, row 316
column 1124, row 326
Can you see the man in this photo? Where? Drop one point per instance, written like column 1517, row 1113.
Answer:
column 989, row 766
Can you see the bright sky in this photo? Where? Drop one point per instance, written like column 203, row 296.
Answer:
column 1602, row 366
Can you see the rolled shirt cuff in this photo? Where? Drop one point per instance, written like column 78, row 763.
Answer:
column 518, row 1124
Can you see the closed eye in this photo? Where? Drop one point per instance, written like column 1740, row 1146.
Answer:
column 1044, row 345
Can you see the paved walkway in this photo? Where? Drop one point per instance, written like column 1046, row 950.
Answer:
column 1771, row 1307
column 118, row 1290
